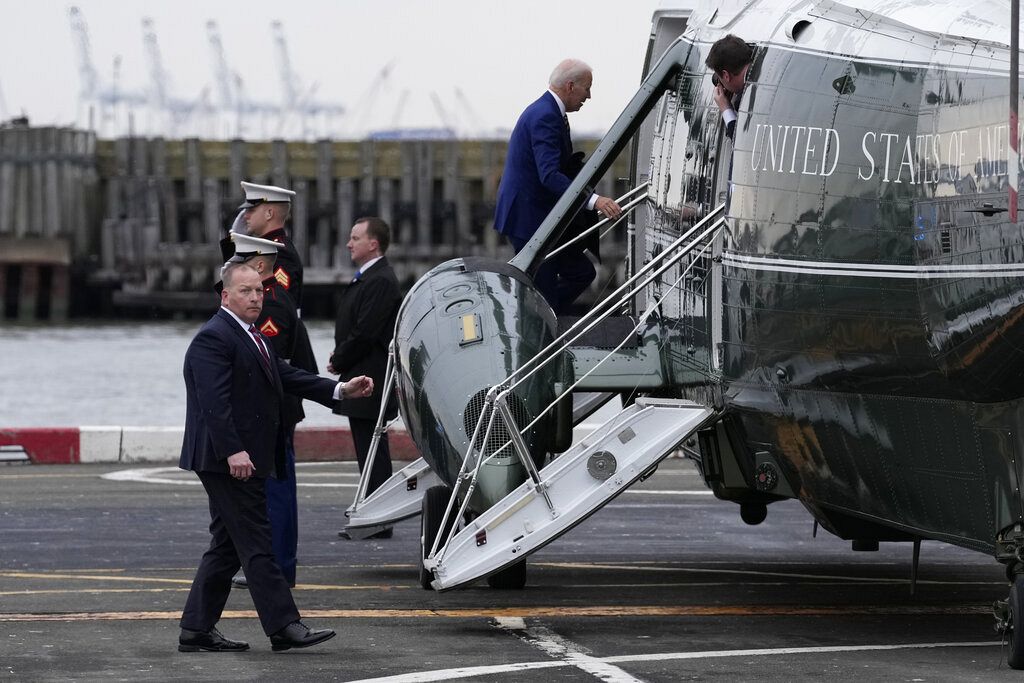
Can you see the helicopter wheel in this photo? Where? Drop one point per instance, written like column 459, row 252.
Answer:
column 510, row 578
column 1014, row 632
column 435, row 502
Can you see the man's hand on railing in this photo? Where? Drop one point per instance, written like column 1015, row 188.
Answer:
column 608, row 207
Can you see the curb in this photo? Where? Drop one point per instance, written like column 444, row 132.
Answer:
column 98, row 444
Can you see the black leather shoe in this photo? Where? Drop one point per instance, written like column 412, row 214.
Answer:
column 240, row 581
column 208, row 641
column 297, row 634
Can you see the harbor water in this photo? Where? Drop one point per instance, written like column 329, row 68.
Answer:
column 111, row 373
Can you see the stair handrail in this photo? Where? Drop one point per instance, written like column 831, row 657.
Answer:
column 500, row 391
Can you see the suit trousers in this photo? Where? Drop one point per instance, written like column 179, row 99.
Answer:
column 283, row 512
column 240, row 537
column 362, row 436
column 563, row 278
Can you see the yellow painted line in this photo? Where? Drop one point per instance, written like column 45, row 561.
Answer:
column 90, row 577
column 535, row 612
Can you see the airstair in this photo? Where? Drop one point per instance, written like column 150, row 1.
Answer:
column 567, row 491
column 400, row 497
column 592, row 472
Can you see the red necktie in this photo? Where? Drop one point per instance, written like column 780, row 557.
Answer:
column 259, row 345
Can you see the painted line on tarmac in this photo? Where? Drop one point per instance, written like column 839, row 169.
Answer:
column 154, row 475
column 469, row 672
column 755, row 572
column 92, row 577
column 558, row 647
column 544, row 612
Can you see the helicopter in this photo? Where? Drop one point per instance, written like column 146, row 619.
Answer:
column 827, row 306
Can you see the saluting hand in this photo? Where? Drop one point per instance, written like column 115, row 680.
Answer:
column 240, row 465
column 357, row 387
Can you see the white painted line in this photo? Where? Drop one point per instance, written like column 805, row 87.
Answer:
column 475, row 671
column 557, row 647
column 750, row 572
column 152, row 475
column 791, row 651
column 658, row 492
column 155, row 475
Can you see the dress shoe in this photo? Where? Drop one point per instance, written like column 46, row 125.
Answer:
column 208, row 641
column 297, row 634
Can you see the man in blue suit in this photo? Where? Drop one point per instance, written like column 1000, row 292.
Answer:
column 235, row 385
column 539, row 167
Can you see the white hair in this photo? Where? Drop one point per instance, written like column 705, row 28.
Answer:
column 568, row 70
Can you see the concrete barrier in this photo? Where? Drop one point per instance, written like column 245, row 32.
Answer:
column 87, row 444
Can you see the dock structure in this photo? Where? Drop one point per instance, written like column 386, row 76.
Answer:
column 48, row 212
column 140, row 219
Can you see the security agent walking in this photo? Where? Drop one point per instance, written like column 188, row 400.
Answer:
column 539, row 168
column 235, row 384
column 363, row 331
column 279, row 324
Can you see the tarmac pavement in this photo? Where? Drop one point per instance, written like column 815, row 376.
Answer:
column 664, row 584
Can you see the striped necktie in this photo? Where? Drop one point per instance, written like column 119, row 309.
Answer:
column 260, row 346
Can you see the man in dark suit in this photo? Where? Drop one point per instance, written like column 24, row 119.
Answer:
column 363, row 331
column 539, row 167
column 729, row 60
column 235, row 383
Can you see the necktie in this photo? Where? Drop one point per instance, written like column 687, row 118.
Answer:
column 565, row 121
column 356, row 276
column 259, row 345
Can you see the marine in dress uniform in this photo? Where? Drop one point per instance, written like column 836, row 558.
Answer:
column 279, row 323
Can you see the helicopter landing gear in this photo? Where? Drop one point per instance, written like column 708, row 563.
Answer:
column 435, row 503
column 1009, row 615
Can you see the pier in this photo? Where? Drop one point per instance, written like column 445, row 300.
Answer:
column 97, row 227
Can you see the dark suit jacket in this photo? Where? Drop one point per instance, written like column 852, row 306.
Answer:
column 234, row 402
column 535, row 175
column 363, row 330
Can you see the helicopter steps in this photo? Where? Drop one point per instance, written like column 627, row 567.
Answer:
column 578, row 483
column 396, row 499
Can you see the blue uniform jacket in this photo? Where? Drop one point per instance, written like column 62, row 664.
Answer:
column 234, row 403
column 539, row 153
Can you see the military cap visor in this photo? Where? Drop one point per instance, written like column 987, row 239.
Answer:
column 256, row 201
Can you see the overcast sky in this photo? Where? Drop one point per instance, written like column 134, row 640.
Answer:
column 499, row 53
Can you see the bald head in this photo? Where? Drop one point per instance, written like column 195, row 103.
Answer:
column 571, row 81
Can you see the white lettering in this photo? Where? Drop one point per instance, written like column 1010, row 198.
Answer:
column 888, row 152
column 871, row 159
column 809, row 149
column 796, row 143
column 908, row 161
column 830, row 133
